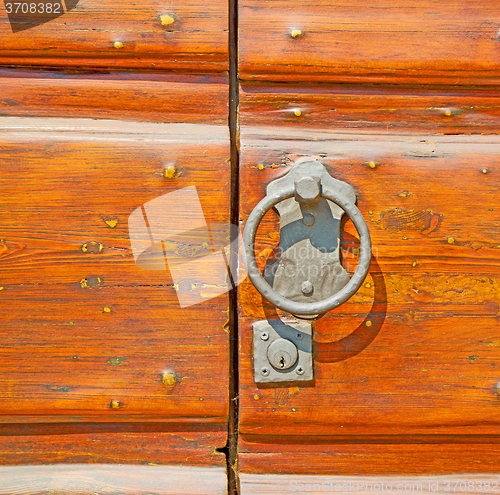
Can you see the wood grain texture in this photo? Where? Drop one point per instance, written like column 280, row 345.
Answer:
column 85, row 332
column 425, row 456
column 412, row 42
column 135, row 97
column 98, row 444
column 382, row 109
column 85, row 37
column 112, row 480
column 253, row 484
column 415, row 351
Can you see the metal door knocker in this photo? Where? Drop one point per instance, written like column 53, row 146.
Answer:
column 308, row 278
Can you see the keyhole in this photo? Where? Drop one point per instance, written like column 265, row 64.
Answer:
column 282, row 354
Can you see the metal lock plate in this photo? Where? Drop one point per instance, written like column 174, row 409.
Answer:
column 282, row 351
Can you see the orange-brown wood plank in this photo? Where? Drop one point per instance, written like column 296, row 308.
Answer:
column 420, row 458
column 85, row 331
column 136, row 97
column 412, row 42
column 148, row 35
column 416, row 350
column 323, row 106
column 140, row 445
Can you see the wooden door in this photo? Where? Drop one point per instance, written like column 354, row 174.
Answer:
column 400, row 101
column 111, row 381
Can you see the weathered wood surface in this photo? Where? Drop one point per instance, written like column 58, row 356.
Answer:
column 138, row 444
column 415, row 351
column 412, row 42
column 103, row 34
column 186, row 99
column 88, row 479
column 420, row 457
column 261, row 484
column 382, row 109
column 86, row 332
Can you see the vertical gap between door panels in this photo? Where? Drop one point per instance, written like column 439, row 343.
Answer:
column 234, row 131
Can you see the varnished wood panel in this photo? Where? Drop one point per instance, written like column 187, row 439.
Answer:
column 423, row 456
column 138, row 444
column 412, row 42
column 415, row 350
column 121, row 35
column 322, row 106
column 126, row 96
column 86, row 332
